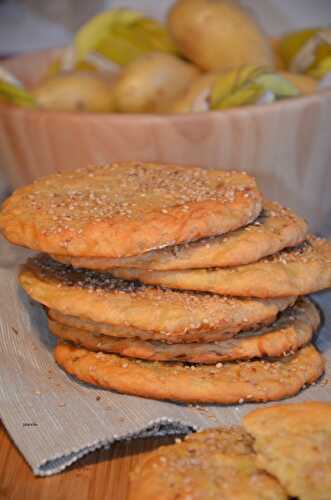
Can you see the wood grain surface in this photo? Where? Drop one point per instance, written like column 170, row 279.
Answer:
column 103, row 474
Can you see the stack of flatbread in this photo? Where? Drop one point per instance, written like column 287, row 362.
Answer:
column 172, row 282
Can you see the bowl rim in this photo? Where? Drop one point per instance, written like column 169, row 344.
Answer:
column 152, row 117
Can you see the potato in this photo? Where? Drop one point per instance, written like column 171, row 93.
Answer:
column 196, row 97
column 151, row 82
column 218, row 34
column 275, row 44
column 75, row 91
column 304, row 83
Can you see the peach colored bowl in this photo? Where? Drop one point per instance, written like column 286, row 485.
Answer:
column 287, row 145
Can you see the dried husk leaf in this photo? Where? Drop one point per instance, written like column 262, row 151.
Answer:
column 122, row 35
column 248, row 85
column 303, row 50
column 12, row 90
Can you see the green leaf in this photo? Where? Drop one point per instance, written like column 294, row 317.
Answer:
column 16, row 95
column 278, row 85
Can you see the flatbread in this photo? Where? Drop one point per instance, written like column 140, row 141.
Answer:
column 128, row 208
column 298, row 271
column 288, row 445
column 275, row 229
column 265, row 380
column 127, row 332
column 292, row 330
column 210, row 465
column 293, row 443
column 100, row 297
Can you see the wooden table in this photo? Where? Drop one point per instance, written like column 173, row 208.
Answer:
column 103, row 474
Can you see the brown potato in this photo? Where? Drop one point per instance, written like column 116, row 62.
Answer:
column 275, row 43
column 195, row 98
column 217, row 34
column 75, row 91
column 151, row 82
column 304, row 83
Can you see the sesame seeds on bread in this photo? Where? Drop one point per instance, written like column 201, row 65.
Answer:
column 293, row 329
column 126, row 209
column 227, row 383
column 279, row 452
column 170, row 315
column 275, row 228
column 214, row 464
column 293, row 443
column 214, row 281
column 291, row 272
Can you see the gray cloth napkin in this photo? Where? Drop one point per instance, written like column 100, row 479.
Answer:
column 54, row 420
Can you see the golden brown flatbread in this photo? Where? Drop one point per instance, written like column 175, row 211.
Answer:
column 216, row 464
column 128, row 208
column 228, row 383
column 171, row 315
column 275, row 229
column 288, row 444
column 293, row 329
column 296, row 271
column 293, row 443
